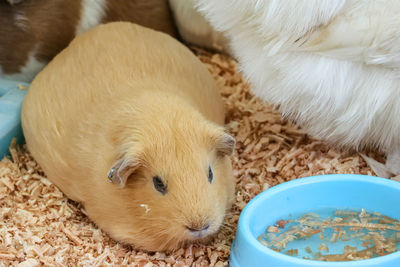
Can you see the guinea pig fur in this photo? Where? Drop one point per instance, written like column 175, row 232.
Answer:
column 34, row 31
column 195, row 29
column 330, row 66
column 133, row 106
column 14, row 2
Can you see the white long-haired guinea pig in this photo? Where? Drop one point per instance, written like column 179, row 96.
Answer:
column 332, row 66
column 34, row 31
column 135, row 107
column 195, row 29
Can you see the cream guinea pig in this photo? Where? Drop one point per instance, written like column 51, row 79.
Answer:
column 128, row 122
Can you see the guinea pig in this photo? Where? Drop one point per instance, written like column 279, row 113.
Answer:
column 195, row 29
column 34, row 31
column 128, row 122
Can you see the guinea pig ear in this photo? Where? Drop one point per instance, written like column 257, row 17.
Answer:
column 225, row 144
column 121, row 170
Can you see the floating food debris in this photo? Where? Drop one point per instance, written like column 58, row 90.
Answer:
column 344, row 235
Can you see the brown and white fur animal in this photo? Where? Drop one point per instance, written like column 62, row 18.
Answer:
column 34, row 31
column 134, row 101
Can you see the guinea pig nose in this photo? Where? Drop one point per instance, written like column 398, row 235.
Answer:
column 197, row 227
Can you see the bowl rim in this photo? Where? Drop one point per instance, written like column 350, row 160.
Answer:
column 251, row 207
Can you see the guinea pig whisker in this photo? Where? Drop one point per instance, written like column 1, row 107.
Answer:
column 230, row 215
column 171, row 239
column 227, row 225
column 226, row 228
column 153, row 219
column 229, row 209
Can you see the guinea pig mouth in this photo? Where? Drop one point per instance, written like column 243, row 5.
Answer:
column 199, row 234
column 202, row 229
column 196, row 234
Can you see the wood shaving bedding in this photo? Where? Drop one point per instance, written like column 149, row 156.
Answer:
column 39, row 226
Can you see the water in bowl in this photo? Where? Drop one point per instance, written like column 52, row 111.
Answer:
column 334, row 235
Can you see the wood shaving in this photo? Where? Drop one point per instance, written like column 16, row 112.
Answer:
column 324, row 247
column 146, row 207
column 273, row 229
column 22, row 87
column 39, row 224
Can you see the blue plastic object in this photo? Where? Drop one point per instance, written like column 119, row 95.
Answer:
column 12, row 95
column 302, row 196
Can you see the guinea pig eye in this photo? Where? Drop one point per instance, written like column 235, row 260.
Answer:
column 159, row 185
column 210, row 175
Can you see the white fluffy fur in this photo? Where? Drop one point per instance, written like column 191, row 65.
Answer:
column 21, row 20
column 91, row 14
column 194, row 28
column 332, row 66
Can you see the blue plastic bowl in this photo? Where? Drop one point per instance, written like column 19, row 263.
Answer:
column 12, row 95
column 305, row 195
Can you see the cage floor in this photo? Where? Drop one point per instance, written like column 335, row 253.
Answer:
column 40, row 226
